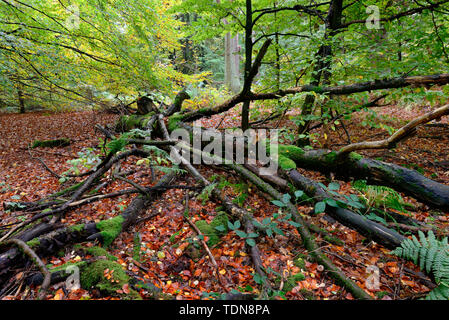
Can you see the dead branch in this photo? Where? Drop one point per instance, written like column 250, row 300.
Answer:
column 399, row 135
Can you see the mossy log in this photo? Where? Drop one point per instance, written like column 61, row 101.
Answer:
column 354, row 165
column 64, row 142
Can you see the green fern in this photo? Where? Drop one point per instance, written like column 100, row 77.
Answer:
column 380, row 196
column 433, row 258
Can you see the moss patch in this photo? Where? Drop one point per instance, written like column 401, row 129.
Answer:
column 286, row 163
column 77, row 228
column 208, row 231
column 355, row 156
column 127, row 123
column 51, row 143
column 110, row 229
column 173, row 121
column 221, row 219
column 101, row 252
column 290, row 282
column 34, row 243
column 291, row 152
column 108, row 277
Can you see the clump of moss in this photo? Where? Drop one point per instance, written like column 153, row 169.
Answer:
column 289, row 151
column 127, row 123
column 300, row 263
column 108, row 277
column 34, row 243
column 51, row 143
column 331, row 158
column 286, row 163
column 77, row 228
column 290, row 282
column 79, row 264
column 110, row 229
column 173, row 121
column 101, row 252
column 221, row 219
column 208, row 231
column 355, row 156
column 137, row 244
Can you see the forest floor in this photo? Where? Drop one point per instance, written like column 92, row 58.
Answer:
column 165, row 233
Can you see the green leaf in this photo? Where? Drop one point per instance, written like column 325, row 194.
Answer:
column 320, row 207
column 334, row 186
column 278, row 203
column 241, row 234
column 220, row 228
column 251, row 242
column 299, row 193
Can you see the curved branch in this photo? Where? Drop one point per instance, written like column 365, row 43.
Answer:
column 399, row 135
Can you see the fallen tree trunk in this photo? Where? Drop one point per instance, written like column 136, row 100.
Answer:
column 355, row 166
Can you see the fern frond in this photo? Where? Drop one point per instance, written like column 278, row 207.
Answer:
column 433, row 258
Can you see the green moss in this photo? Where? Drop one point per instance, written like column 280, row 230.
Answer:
column 80, row 264
column 290, row 151
column 51, row 143
column 110, row 229
column 286, row 163
column 77, row 228
column 355, row 156
column 34, row 243
column 300, row 263
column 94, row 277
column 137, row 247
column 101, row 252
column 173, row 121
column 127, row 123
column 331, row 158
column 291, row 281
column 221, row 219
column 68, row 190
column 208, row 231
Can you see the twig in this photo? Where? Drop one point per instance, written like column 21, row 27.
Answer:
column 43, row 163
column 200, row 234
